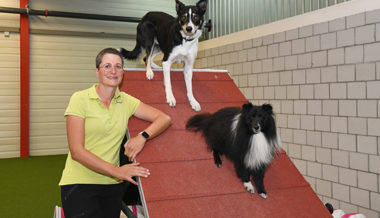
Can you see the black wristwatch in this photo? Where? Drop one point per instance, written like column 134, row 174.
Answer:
column 144, row 134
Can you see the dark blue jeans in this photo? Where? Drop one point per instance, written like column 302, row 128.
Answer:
column 91, row 200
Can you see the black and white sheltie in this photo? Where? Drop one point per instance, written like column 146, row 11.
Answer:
column 247, row 136
column 176, row 38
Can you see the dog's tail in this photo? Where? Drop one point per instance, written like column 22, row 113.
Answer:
column 131, row 55
column 198, row 122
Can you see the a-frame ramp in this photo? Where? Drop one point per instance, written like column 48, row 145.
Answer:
column 184, row 180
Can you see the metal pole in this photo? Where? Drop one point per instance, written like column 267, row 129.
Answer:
column 24, row 82
column 68, row 14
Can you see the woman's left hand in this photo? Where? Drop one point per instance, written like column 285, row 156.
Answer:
column 133, row 146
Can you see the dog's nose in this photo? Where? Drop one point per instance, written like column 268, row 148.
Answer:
column 189, row 29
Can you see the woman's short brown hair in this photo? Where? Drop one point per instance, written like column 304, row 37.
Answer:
column 114, row 51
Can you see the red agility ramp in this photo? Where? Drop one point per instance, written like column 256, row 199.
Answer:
column 184, row 180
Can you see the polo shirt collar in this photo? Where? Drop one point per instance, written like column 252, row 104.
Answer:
column 117, row 96
column 94, row 95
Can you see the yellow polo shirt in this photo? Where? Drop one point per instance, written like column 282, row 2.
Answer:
column 104, row 132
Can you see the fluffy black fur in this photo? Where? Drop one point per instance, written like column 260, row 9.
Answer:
column 231, row 132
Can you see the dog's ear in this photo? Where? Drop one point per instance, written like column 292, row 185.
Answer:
column 178, row 5
column 247, row 106
column 268, row 108
column 202, row 4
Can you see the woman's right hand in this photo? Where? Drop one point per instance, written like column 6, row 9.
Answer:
column 127, row 171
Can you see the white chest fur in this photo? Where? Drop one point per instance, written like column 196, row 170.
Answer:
column 259, row 153
column 184, row 52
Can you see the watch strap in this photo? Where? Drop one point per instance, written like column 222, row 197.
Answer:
column 144, row 134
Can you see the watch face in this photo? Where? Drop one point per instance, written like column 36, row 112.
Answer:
column 145, row 134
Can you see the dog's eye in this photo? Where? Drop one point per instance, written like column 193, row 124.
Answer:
column 183, row 18
column 195, row 18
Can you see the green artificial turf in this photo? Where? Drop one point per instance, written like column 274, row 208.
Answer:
column 29, row 186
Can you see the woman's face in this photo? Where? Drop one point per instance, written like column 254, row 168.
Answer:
column 110, row 72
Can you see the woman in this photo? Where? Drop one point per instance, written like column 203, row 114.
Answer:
column 96, row 120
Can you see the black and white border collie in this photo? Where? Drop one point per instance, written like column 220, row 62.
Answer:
column 176, row 38
column 247, row 136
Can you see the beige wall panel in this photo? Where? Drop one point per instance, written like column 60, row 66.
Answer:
column 10, row 3
column 54, row 89
column 9, row 57
column 10, row 126
column 64, row 46
column 40, row 61
column 9, row 50
column 56, row 39
column 11, row 43
column 9, row 20
column 95, row 26
column 65, row 75
column 9, row 89
column 48, row 143
column 9, row 103
column 47, row 115
column 9, row 129
column 9, row 82
column 8, row 64
column 49, row 102
column 9, row 74
column 9, row 116
column 9, row 154
column 11, row 64
column 48, row 129
column 9, row 145
column 44, row 152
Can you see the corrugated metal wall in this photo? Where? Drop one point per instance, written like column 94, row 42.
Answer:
column 62, row 61
column 233, row 16
column 9, row 84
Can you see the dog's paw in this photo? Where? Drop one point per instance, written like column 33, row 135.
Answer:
column 149, row 74
column 219, row 165
column 195, row 105
column 170, row 100
column 263, row 195
column 249, row 187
